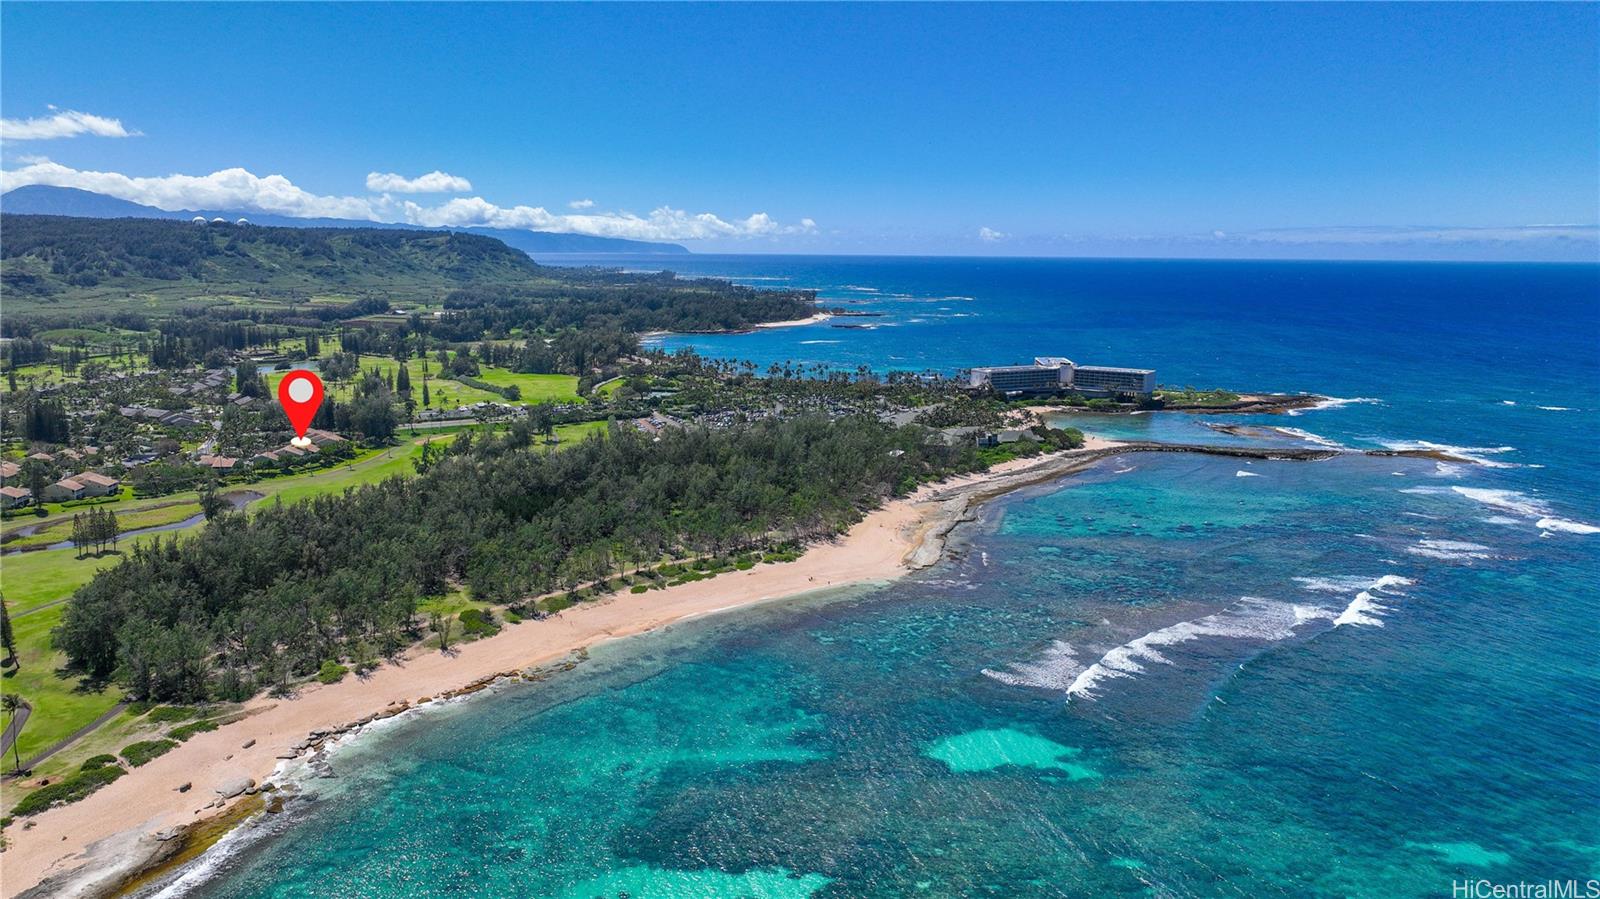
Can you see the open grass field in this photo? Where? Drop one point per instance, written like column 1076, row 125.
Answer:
column 535, row 388
column 448, row 394
column 61, row 705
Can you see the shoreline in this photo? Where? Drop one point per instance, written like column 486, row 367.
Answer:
column 759, row 326
column 138, row 823
column 95, row 846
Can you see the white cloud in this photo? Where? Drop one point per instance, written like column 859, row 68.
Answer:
column 990, row 235
column 581, row 204
column 240, row 189
column 664, row 223
column 63, row 123
column 435, row 182
column 227, row 189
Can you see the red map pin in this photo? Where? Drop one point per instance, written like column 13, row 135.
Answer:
column 300, row 392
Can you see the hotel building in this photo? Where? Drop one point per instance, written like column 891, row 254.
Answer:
column 1054, row 374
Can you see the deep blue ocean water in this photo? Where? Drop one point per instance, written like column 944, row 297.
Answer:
column 1168, row 675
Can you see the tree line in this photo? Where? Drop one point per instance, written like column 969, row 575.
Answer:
column 254, row 602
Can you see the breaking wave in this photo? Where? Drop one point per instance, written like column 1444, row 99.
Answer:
column 1364, row 609
column 1261, row 620
column 1465, row 453
column 1307, row 436
column 1450, row 550
column 1334, row 402
column 1565, row 526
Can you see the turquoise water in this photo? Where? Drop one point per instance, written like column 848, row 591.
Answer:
column 1167, row 675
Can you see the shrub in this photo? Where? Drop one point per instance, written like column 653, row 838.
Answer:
column 166, row 713
column 188, row 730
column 557, row 603
column 145, row 750
column 331, row 672
column 68, row 789
column 478, row 623
column 97, row 761
column 639, row 588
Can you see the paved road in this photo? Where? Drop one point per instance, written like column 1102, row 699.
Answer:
column 76, row 735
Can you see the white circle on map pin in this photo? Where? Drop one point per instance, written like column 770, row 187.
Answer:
column 300, row 390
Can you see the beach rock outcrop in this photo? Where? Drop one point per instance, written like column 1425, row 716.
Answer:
column 235, row 786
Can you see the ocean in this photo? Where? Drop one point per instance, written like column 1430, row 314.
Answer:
column 1169, row 675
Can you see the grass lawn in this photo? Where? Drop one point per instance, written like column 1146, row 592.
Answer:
column 33, row 579
column 61, row 705
column 443, row 394
column 369, row 469
column 569, row 434
column 535, row 388
column 448, row 394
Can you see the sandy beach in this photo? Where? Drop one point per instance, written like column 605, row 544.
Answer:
column 808, row 320
column 90, row 847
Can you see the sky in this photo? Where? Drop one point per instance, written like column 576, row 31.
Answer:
column 1296, row 130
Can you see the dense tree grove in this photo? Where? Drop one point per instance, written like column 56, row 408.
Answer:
column 252, row 601
column 600, row 301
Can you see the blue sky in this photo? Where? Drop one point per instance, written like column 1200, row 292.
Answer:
column 1301, row 130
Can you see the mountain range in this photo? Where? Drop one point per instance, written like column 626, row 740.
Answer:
column 41, row 199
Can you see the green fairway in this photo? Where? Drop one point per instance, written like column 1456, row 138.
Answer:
column 33, row 579
column 61, row 705
column 445, row 393
column 535, row 388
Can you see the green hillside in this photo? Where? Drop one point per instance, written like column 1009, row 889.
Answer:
column 59, row 263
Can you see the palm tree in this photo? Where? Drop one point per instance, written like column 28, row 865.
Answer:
column 11, row 703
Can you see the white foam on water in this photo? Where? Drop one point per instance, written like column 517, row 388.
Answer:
column 1245, row 474
column 1334, row 402
column 1447, row 470
column 1473, row 454
column 1526, row 506
column 1363, row 610
column 1501, row 519
column 1307, row 436
column 1056, row 669
column 1556, row 409
column 1505, row 500
column 817, row 341
column 1450, row 550
column 1346, row 583
column 1508, row 402
column 1566, row 527
column 1249, row 619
